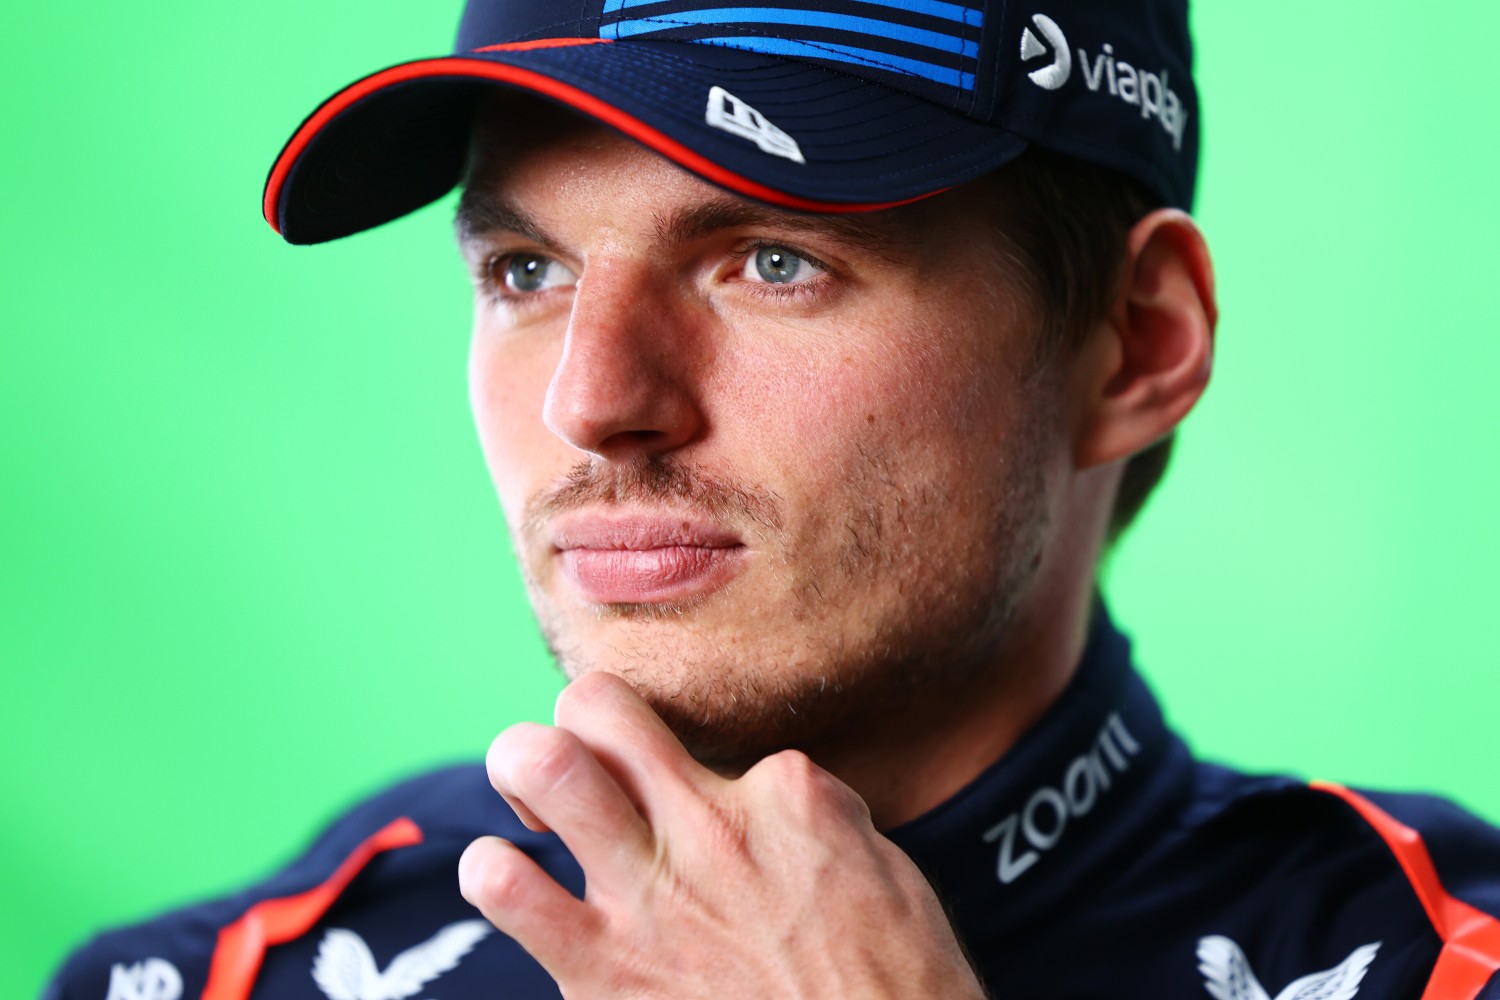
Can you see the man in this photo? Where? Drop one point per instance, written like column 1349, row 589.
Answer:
column 818, row 353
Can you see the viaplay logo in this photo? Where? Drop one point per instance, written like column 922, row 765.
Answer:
column 1152, row 93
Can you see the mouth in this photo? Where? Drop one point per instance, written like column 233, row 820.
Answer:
column 645, row 559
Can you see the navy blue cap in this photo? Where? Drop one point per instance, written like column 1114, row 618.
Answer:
column 815, row 105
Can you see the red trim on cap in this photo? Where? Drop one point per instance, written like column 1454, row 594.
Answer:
column 242, row 945
column 548, row 87
column 541, row 43
column 1471, row 938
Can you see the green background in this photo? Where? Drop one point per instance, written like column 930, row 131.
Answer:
column 250, row 564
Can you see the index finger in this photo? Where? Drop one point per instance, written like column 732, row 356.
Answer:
column 632, row 742
column 556, row 777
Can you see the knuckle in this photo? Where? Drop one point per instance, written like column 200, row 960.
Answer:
column 806, row 789
column 553, row 756
column 789, row 765
column 803, row 775
column 493, row 878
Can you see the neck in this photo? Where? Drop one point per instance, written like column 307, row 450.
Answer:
column 907, row 766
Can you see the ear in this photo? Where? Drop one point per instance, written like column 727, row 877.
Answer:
column 1145, row 365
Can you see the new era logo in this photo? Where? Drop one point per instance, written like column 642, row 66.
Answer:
column 727, row 112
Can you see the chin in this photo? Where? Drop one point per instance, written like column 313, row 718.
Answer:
column 733, row 701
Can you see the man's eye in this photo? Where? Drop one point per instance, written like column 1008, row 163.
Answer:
column 779, row 266
column 529, row 273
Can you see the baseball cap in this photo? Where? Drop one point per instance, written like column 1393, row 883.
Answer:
column 813, row 105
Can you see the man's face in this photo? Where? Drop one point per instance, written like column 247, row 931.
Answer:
column 779, row 471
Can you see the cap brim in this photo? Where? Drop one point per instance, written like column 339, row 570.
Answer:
column 398, row 139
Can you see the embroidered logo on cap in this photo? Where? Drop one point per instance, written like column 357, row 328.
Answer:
column 727, row 112
column 1227, row 974
column 1104, row 73
column 153, row 979
column 1054, row 76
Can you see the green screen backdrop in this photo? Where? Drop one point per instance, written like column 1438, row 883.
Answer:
column 250, row 564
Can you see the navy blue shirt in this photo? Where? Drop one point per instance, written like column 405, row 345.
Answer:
column 1096, row 859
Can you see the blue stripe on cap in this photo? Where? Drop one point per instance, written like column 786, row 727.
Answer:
column 791, row 48
column 802, row 18
column 932, row 8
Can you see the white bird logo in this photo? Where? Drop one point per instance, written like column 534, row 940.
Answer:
column 1227, row 974
column 345, row 969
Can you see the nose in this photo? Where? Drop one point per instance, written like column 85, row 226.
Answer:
column 624, row 386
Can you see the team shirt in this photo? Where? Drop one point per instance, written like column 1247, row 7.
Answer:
column 1096, row 859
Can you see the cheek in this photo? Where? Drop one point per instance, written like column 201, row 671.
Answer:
column 915, row 429
column 507, row 388
column 801, row 410
column 921, row 393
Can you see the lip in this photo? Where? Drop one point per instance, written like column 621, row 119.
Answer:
column 645, row 558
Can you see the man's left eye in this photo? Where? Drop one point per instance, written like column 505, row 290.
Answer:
column 779, row 266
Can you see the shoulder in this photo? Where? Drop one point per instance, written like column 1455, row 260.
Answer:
column 1414, row 876
column 1425, row 838
column 1433, row 839
column 386, row 868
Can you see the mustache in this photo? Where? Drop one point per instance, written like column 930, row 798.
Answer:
column 653, row 480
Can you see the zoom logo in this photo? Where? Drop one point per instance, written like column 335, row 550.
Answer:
column 1025, row 835
column 1052, row 39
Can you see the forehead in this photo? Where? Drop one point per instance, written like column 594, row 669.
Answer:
column 525, row 153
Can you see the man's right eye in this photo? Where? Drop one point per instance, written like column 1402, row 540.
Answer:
column 529, row 273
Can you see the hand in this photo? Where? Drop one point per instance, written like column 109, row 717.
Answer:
column 773, row 884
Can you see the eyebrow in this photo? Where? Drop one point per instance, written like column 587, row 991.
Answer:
column 480, row 214
column 863, row 231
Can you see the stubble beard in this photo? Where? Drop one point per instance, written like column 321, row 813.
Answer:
column 933, row 648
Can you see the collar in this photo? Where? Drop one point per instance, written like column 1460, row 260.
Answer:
column 1082, row 791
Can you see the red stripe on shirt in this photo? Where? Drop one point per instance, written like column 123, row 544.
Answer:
column 242, row 945
column 1471, row 938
